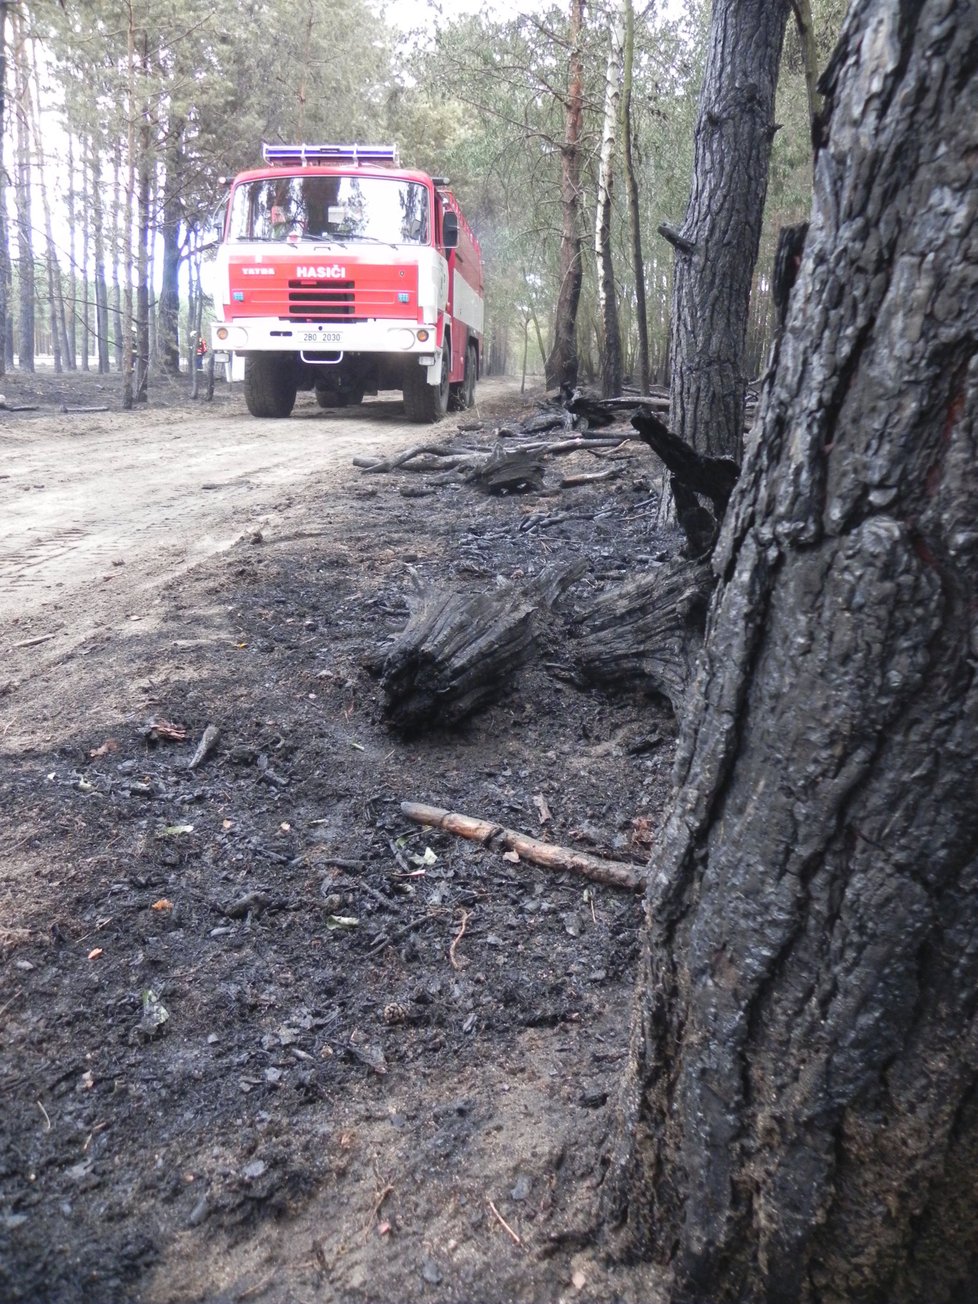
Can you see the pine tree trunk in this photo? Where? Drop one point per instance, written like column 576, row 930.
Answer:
column 32, row 111
column 562, row 363
column 716, row 249
column 169, row 309
column 4, row 232
column 121, row 254
column 144, row 173
column 607, row 291
column 70, row 321
column 634, row 210
column 22, row 189
column 130, row 341
column 98, row 269
column 800, row 1118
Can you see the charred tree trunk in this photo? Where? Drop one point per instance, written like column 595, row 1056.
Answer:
column 561, row 365
column 800, row 1117
column 716, row 249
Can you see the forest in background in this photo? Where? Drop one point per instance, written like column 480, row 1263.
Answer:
column 121, row 122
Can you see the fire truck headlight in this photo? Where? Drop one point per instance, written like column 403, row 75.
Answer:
column 400, row 337
column 221, row 333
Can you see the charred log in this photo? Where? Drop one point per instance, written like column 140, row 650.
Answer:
column 647, row 633
column 517, row 470
column 459, row 652
column 598, row 411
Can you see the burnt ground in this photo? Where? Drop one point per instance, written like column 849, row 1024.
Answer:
column 264, row 1038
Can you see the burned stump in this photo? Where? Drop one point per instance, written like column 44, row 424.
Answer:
column 647, row 633
column 505, row 470
column 458, row 652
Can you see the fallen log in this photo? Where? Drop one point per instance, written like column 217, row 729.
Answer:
column 599, row 411
column 646, row 633
column 372, row 466
column 572, row 481
column 614, row 873
column 459, row 651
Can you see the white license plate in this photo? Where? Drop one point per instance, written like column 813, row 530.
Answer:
column 320, row 337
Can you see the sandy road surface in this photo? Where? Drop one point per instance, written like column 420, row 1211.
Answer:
column 100, row 509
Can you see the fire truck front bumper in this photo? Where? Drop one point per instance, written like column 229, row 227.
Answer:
column 275, row 335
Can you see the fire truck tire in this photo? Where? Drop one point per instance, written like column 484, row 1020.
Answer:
column 463, row 394
column 426, row 403
column 270, row 384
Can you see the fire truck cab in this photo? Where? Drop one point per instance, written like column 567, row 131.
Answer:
column 343, row 273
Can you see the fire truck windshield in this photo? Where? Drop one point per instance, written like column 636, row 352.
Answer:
column 344, row 208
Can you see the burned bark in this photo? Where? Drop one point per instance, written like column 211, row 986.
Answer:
column 561, row 363
column 800, row 1118
column 458, row 652
column 517, row 470
column 717, row 246
column 646, row 634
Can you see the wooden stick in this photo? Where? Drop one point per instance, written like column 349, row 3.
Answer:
column 612, row 872
column 571, row 481
column 456, row 939
column 505, row 1225
column 33, row 642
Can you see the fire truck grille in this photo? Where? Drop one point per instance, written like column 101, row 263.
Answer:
column 322, row 301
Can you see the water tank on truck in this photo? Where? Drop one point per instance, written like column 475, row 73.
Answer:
column 343, row 273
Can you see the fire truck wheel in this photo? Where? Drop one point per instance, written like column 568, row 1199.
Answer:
column 423, row 402
column 463, row 394
column 270, row 384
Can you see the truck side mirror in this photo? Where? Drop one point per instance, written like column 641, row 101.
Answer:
column 449, row 230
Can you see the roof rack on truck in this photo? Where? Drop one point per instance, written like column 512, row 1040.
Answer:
column 355, row 154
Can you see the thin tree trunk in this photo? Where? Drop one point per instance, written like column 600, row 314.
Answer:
column 806, row 36
column 32, row 109
column 143, row 232
column 88, row 200
column 716, row 249
column 130, row 338
column 4, row 231
column 71, row 324
column 634, row 211
column 122, row 325
column 22, row 188
column 98, row 269
column 562, row 362
column 607, row 290
column 169, row 309
column 800, row 1118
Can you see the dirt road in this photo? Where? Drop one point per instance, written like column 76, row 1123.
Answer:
column 99, row 509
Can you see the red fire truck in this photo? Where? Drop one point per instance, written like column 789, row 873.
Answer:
column 343, row 273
